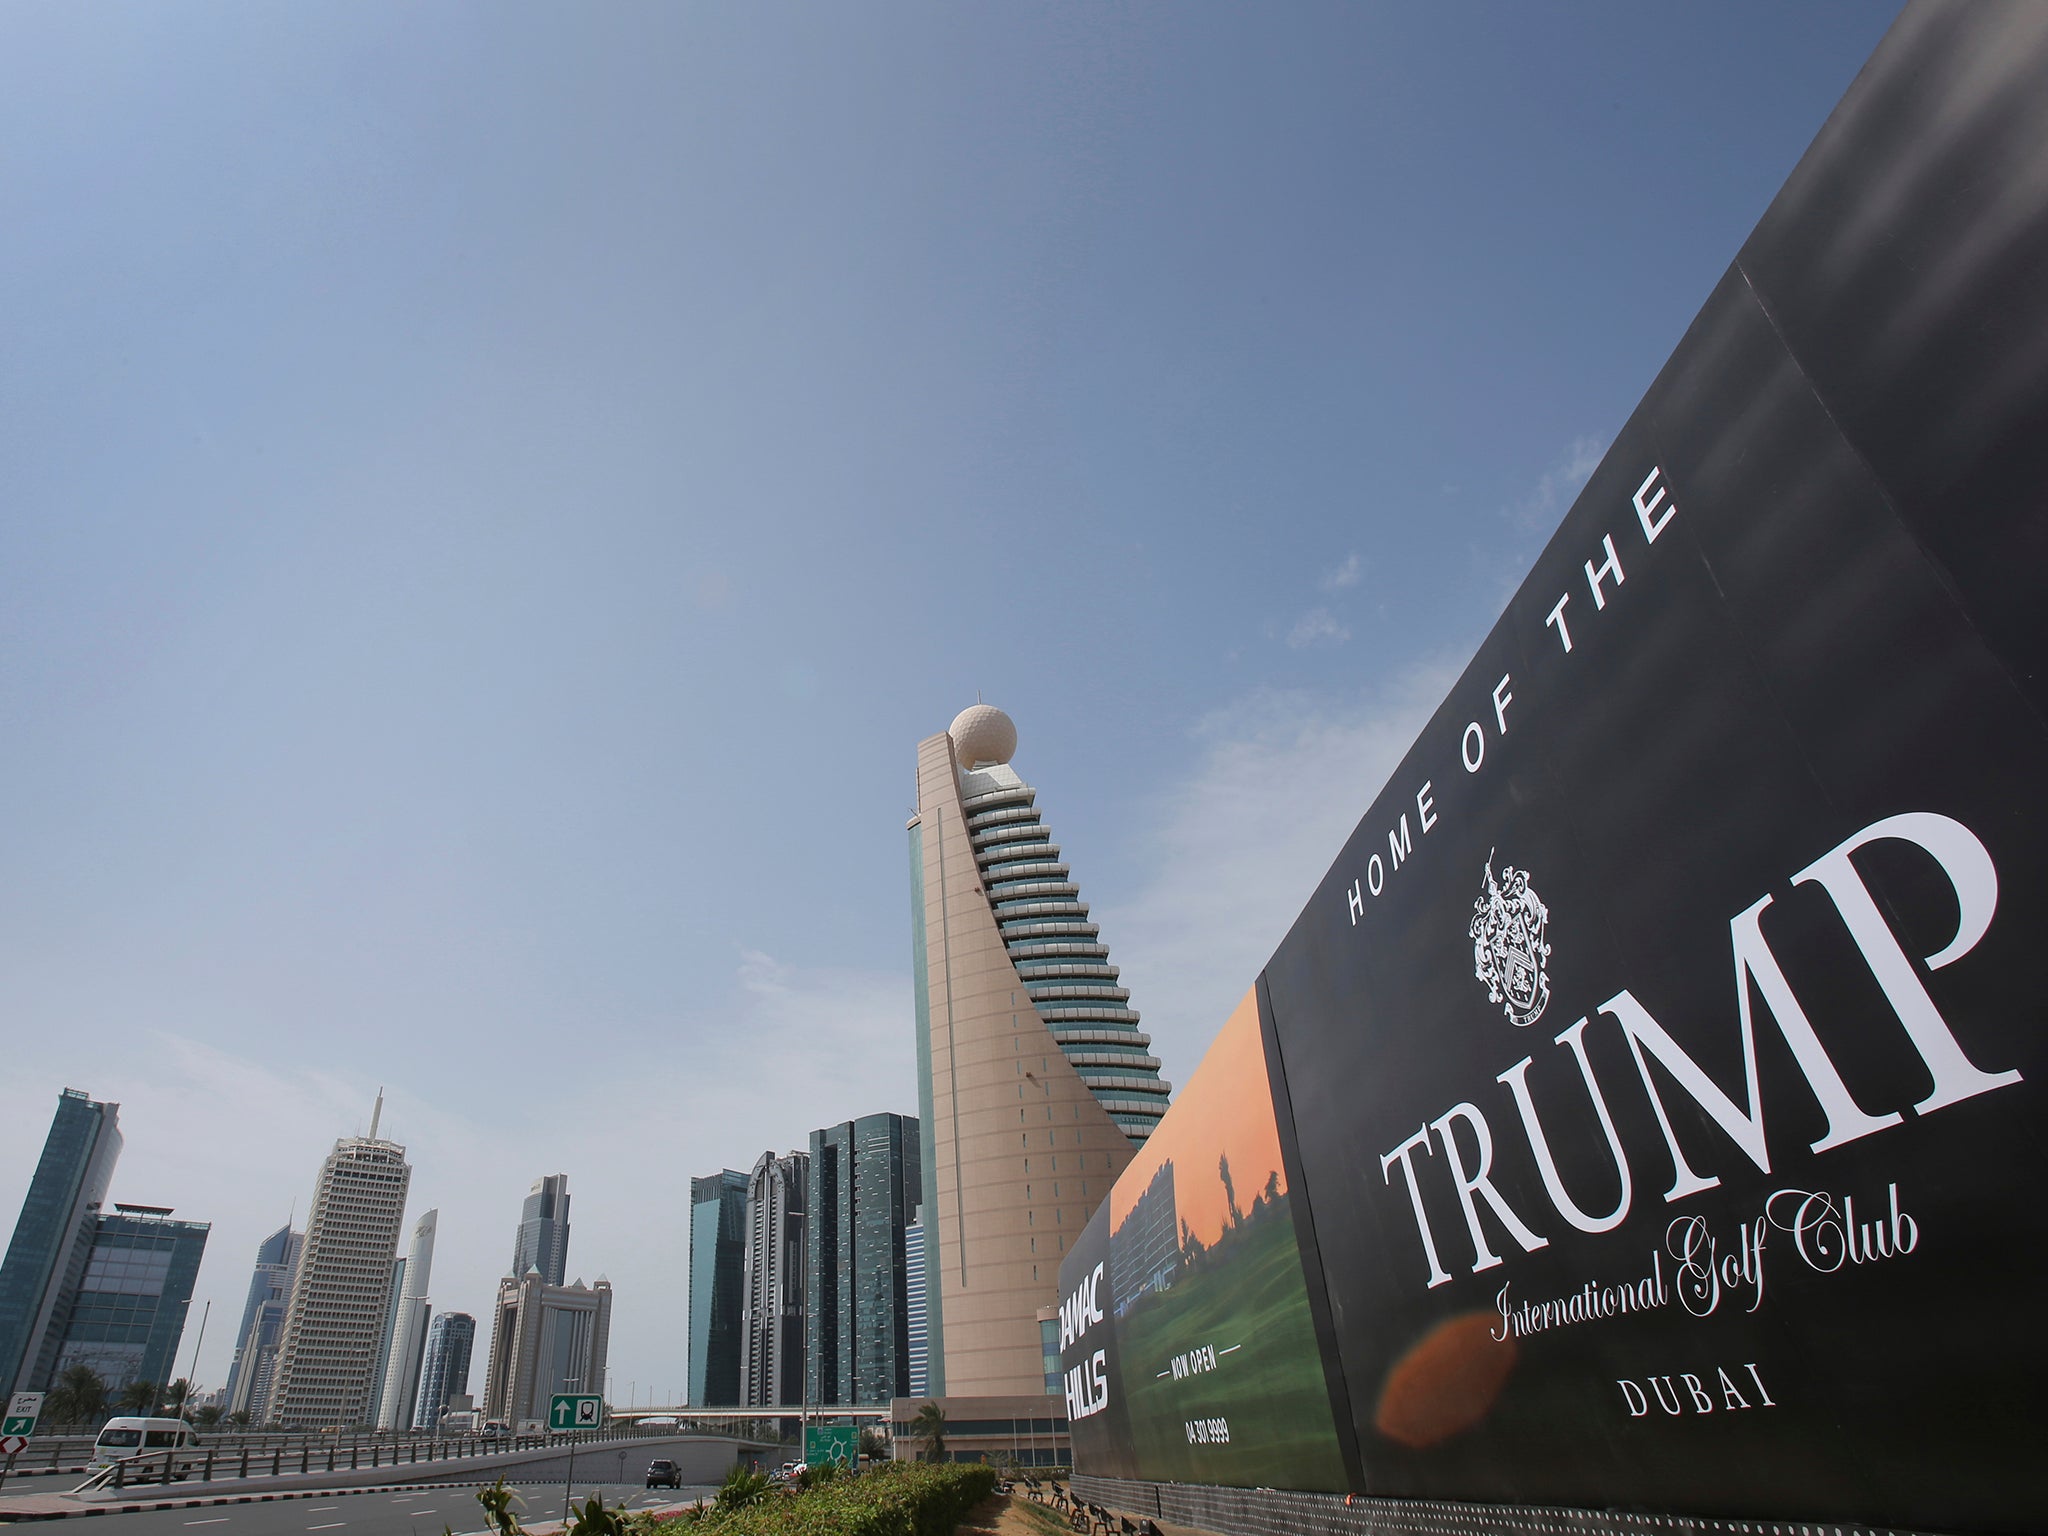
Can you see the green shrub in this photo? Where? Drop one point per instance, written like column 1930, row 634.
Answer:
column 895, row 1499
column 742, row 1488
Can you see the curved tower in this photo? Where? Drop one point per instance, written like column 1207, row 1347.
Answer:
column 1036, row 1084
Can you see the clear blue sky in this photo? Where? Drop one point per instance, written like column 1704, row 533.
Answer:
column 493, row 495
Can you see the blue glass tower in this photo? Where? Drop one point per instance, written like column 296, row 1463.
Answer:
column 718, row 1251
column 53, row 1239
column 128, row 1313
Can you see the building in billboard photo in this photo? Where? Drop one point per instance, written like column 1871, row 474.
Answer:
column 1653, row 1081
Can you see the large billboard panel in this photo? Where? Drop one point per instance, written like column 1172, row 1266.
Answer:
column 1193, row 1265
column 1660, row 1061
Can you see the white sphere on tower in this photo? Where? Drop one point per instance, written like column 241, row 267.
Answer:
column 983, row 734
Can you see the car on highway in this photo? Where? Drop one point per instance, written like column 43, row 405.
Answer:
column 664, row 1474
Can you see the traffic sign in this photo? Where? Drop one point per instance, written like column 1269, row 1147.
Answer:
column 575, row 1410
column 830, row 1442
column 23, row 1409
column 13, row 1445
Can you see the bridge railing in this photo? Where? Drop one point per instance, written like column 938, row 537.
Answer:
column 224, row 1461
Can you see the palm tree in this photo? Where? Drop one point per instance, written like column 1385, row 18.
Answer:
column 930, row 1427
column 176, row 1395
column 79, row 1397
column 207, row 1416
column 139, row 1396
column 239, row 1418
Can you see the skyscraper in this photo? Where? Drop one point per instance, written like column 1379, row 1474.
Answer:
column 1034, row 1081
column 543, row 1240
column 862, row 1191
column 772, row 1313
column 409, row 1335
column 128, row 1314
column 718, row 1275
column 327, row 1362
column 545, row 1339
column 53, row 1238
column 270, row 1292
column 445, row 1373
column 394, row 1293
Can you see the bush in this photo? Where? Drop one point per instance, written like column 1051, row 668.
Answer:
column 895, row 1499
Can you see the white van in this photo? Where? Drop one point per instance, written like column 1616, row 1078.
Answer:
column 122, row 1438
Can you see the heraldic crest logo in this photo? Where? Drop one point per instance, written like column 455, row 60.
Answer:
column 1509, row 944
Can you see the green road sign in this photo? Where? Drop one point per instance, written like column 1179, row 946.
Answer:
column 23, row 1409
column 830, row 1442
column 575, row 1410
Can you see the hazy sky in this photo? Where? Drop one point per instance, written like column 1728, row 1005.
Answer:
column 494, row 494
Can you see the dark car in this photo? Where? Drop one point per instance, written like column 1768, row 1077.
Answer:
column 664, row 1474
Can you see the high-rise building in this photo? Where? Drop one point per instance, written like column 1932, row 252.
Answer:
column 409, row 1333
column 1035, row 1083
column 52, row 1240
column 128, row 1314
column 916, row 1333
column 445, row 1373
column 862, row 1192
column 545, row 1339
column 270, row 1291
column 543, row 1240
column 326, row 1369
column 394, row 1293
column 718, row 1277
column 772, row 1311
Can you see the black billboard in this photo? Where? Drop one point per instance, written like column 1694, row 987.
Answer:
column 1658, row 1068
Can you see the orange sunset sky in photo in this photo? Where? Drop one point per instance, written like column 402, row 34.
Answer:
column 1225, row 1109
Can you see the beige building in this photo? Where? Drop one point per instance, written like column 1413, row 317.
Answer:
column 327, row 1359
column 1035, row 1083
column 545, row 1339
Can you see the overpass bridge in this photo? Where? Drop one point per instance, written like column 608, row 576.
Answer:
column 878, row 1412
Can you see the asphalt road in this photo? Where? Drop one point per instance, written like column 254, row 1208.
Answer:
column 425, row 1513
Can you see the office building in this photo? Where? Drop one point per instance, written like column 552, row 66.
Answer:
column 543, row 1239
column 445, row 1372
column 916, row 1334
column 862, row 1193
column 128, row 1314
column 53, row 1237
column 1035, row 1084
column 718, row 1273
column 545, row 1339
column 772, row 1308
column 270, row 1291
column 409, row 1330
column 334, row 1325
column 393, row 1292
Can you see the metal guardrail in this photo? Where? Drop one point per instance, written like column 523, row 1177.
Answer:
column 205, row 1463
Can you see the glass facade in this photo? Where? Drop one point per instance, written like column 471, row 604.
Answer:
column 718, row 1253
column 129, row 1311
column 543, row 1240
column 445, row 1373
column 46, row 1260
column 865, row 1179
column 270, row 1284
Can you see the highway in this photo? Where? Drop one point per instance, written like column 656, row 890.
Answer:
column 426, row 1512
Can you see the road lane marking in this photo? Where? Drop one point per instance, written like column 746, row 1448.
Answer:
column 216, row 1520
column 331, row 1525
